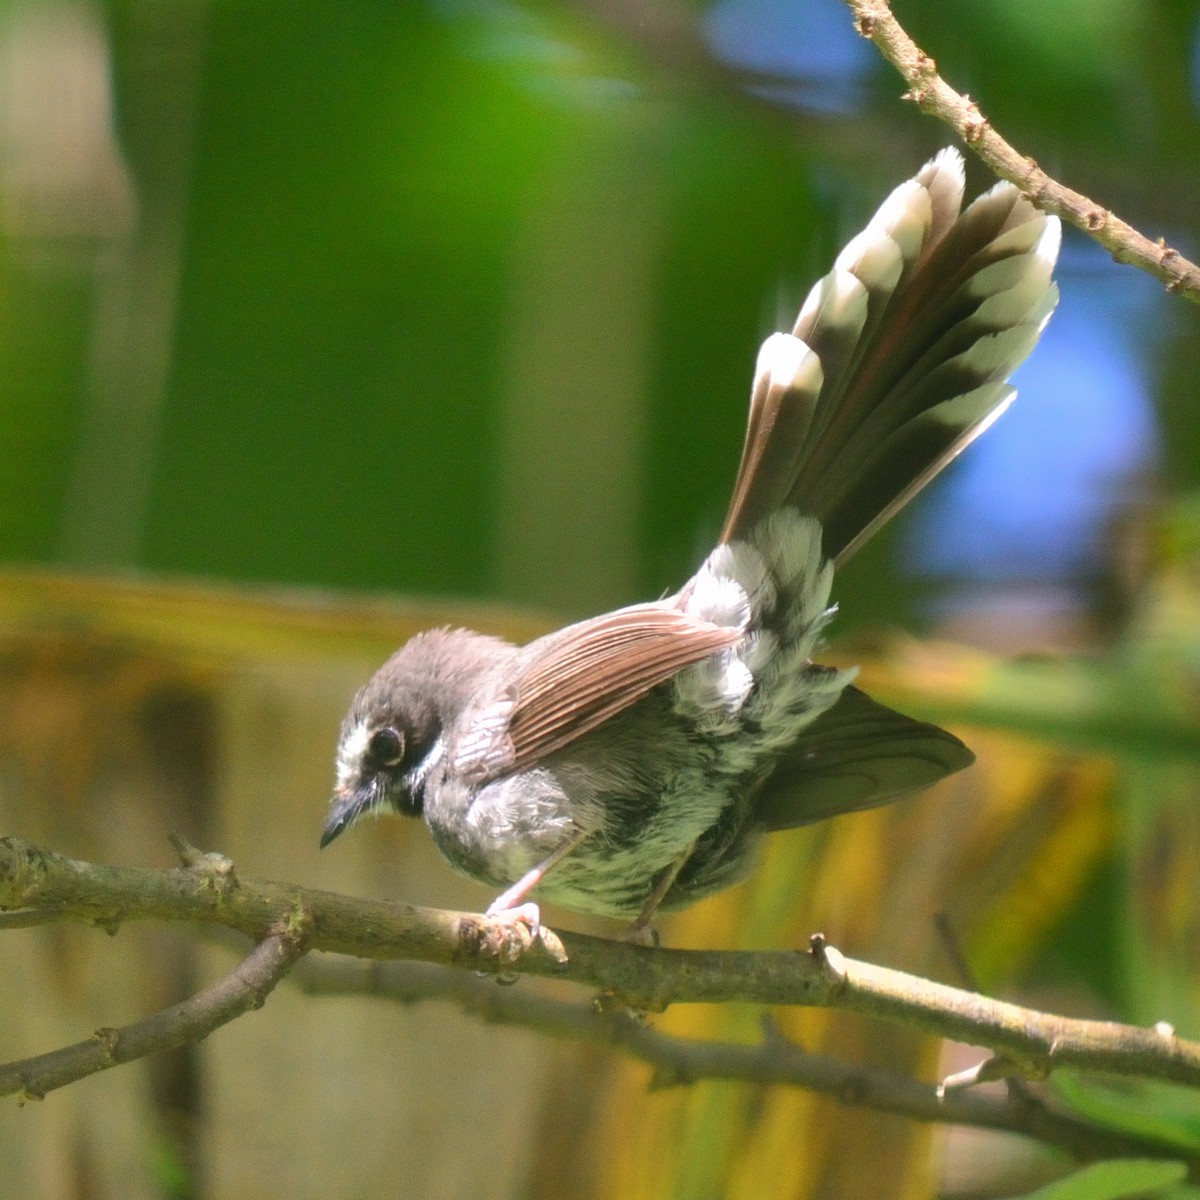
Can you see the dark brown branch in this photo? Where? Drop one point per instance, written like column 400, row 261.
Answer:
column 245, row 987
column 677, row 1061
column 646, row 978
column 874, row 20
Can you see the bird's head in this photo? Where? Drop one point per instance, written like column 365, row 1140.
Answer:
column 393, row 737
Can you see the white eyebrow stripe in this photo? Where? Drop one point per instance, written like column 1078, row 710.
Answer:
column 351, row 751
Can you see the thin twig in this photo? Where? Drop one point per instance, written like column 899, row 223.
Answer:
column 966, row 977
column 646, row 978
column 677, row 1061
column 246, row 987
column 874, row 20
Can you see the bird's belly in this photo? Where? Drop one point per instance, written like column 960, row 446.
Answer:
column 497, row 833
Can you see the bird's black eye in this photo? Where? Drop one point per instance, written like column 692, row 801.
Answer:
column 386, row 747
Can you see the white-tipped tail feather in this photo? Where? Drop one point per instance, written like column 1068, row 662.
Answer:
column 914, row 334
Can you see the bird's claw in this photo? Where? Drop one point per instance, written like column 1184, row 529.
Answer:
column 513, row 930
column 527, row 914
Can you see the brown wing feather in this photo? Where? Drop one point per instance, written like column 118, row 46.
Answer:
column 567, row 683
column 588, row 672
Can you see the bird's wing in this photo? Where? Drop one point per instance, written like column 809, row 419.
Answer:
column 567, row 683
column 858, row 754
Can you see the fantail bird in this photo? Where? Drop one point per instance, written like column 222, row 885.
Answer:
column 631, row 762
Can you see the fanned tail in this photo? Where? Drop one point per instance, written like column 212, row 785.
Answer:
column 899, row 358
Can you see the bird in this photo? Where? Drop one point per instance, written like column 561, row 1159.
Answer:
column 631, row 763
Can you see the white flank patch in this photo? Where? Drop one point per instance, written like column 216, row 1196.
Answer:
column 741, row 586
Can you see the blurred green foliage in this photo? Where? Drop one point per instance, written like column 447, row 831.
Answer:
column 354, row 204
column 1113, row 1180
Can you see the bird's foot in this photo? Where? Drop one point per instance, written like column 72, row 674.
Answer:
column 527, row 914
column 513, row 931
column 640, row 933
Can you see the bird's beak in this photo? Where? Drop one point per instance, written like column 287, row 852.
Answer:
column 344, row 809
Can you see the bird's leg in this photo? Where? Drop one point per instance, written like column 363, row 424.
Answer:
column 640, row 933
column 508, row 907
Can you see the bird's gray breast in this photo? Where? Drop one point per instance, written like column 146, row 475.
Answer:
column 643, row 786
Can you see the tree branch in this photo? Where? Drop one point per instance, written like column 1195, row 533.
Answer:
column 874, row 20
column 678, row 1061
column 1028, row 1042
column 244, row 988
